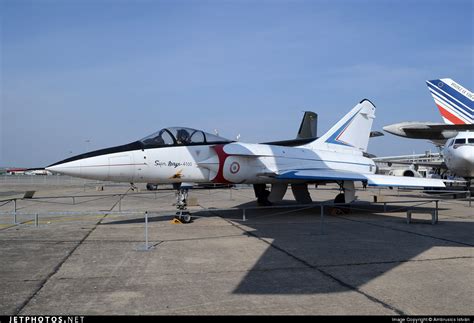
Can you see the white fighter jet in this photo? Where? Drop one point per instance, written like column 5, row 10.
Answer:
column 177, row 155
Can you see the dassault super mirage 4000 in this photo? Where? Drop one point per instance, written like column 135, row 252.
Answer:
column 183, row 155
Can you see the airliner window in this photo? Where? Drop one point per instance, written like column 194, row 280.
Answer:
column 470, row 140
column 460, row 141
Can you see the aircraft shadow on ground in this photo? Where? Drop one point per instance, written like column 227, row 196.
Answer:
column 151, row 218
column 362, row 245
column 359, row 246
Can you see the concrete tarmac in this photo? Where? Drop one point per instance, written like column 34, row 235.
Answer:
column 85, row 258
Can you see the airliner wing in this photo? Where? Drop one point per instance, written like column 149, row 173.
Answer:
column 314, row 175
column 457, row 127
column 436, row 131
column 425, row 130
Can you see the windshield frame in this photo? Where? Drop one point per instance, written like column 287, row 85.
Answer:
column 173, row 131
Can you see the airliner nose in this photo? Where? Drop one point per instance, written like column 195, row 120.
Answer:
column 465, row 160
column 466, row 154
column 469, row 157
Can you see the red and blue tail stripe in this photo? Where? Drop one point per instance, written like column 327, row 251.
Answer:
column 454, row 102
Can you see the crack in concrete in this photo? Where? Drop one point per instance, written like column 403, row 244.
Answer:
column 292, row 268
column 55, row 270
column 395, row 261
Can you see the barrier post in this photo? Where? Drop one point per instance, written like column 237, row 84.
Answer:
column 36, row 219
column 14, row 211
column 322, row 218
column 243, row 215
column 146, row 230
column 145, row 247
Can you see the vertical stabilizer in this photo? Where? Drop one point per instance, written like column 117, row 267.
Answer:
column 454, row 102
column 351, row 132
column 309, row 126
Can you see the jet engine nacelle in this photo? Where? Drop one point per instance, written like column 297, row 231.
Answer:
column 237, row 169
column 408, row 172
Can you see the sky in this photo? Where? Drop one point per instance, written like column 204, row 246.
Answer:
column 83, row 75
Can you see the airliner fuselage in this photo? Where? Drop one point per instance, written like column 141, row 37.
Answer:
column 459, row 154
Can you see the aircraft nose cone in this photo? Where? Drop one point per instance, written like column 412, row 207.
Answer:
column 468, row 157
column 393, row 129
column 463, row 161
column 465, row 154
column 52, row 169
column 68, row 168
column 56, row 168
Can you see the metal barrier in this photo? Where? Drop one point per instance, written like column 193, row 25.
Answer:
column 73, row 198
column 296, row 207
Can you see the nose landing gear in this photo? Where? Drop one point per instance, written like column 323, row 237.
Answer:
column 183, row 215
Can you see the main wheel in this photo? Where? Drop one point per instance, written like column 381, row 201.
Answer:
column 263, row 198
column 151, row 187
column 337, row 211
column 340, row 198
column 340, row 209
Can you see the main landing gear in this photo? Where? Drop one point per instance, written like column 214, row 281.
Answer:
column 261, row 193
column 183, row 215
column 342, row 207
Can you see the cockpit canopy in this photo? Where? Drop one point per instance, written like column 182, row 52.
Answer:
column 179, row 136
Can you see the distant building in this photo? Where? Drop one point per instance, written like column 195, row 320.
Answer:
column 16, row 171
column 38, row 172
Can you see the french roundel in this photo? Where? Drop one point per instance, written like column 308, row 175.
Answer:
column 234, row 167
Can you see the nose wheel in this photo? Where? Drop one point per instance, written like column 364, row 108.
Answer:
column 183, row 214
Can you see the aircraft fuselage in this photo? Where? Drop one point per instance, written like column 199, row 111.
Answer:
column 459, row 154
column 222, row 163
